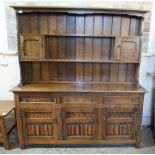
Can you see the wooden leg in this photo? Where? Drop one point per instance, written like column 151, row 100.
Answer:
column 137, row 146
column 6, row 145
column 22, row 146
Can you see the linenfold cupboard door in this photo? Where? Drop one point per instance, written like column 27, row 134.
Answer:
column 31, row 47
column 120, row 117
column 127, row 48
column 79, row 123
column 39, row 126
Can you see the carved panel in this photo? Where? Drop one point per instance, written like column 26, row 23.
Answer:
column 80, row 124
column 78, row 99
column 121, row 123
column 31, row 47
column 39, row 124
column 128, row 49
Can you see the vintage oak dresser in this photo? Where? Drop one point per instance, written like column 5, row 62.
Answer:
column 79, row 76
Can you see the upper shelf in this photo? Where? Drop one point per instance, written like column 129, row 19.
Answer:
column 76, row 35
column 80, row 10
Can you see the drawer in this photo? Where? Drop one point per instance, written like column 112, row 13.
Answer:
column 120, row 100
column 78, row 99
column 37, row 99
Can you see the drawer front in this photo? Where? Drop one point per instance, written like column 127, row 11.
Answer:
column 120, row 100
column 78, row 99
column 37, row 99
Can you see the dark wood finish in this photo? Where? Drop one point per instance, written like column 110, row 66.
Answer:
column 7, row 121
column 79, row 70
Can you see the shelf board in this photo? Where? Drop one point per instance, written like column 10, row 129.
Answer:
column 82, row 87
column 77, row 35
column 82, row 61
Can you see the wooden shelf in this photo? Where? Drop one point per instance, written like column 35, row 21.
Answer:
column 76, row 35
column 79, row 35
column 81, row 87
column 82, row 61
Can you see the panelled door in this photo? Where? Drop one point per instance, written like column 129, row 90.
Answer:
column 31, row 47
column 39, row 126
column 127, row 49
column 79, row 123
column 120, row 120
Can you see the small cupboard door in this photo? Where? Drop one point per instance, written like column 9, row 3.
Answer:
column 79, row 123
column 31, row 47
column 127, row 49
column 120, row 123
column 38, row 126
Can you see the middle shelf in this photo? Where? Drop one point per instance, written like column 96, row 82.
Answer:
column 80, row 61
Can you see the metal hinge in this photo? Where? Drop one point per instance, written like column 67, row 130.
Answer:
column 135, row 132
column 62, row 114
column 22, row 114
column 24, row 133
column 62, row 134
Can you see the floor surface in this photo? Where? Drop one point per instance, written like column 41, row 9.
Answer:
column 147, row 146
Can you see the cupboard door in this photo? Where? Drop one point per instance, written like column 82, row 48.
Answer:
column 38, row 126
column 120, row 123
column 79, row 123
column 127, row 49
column 31, row 47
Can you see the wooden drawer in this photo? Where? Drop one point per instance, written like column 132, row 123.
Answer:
column 78, row 99
column 37, row 99
column 120, row 100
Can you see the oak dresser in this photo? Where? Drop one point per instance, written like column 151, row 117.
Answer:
column 79, row 76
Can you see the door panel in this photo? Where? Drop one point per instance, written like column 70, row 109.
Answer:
column 127, row 49
column 31, row 47
column 120, row 122
column 80, row 123
column 39, row 125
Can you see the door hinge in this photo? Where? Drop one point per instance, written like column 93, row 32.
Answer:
column 62, row 134
column 134, row 132
column 24, row 133
column 22, row 114
column 62, row 114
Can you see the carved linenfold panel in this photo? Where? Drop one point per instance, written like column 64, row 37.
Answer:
column 78, row 99
column 38, row 124
column 120, row 124
column 80, row 129
column 38, row 115
column 80, row 124
column 120, row 115
column 123, row 129
column 39, row 129
column 78, row 115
